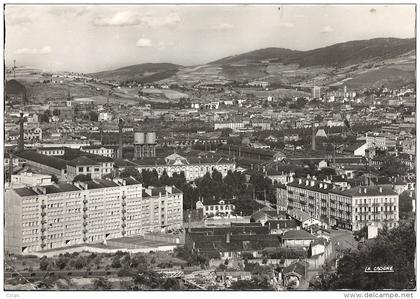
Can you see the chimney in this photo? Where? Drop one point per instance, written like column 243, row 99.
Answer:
column 306, row 183
column 21, row 147
column 325, row 186
column 321, row 185
column 365, row 190
column 313, row 138
column 300, row 181
column 228, row 238
column 380, row 189
column 360, row 190
column 120, row 141
column 312, row 183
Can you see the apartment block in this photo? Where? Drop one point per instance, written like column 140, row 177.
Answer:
column 345, row 207
column 59, row 215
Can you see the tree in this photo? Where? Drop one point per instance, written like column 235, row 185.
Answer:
column 116, row 262
column 93, row 116
column 61, row 262
column 392, row 167
column 44, row 263
column 131, row 172
column 393, row 247
column 82, row 178
column 101, row 284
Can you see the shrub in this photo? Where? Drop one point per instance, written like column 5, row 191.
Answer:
column 116, row 262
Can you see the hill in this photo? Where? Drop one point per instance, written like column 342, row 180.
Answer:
column 266, row 54
column 146, row 72
column 336, row 55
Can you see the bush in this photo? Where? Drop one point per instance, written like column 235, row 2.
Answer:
column 61, row 262
column 80, row 263
column 124, row 272
column 116, row 262
column 44, row 264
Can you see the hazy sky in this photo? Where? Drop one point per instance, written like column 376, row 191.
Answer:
column 94, row 38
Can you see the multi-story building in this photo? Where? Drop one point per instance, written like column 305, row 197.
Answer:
column 345, row 207
column 60, row 215
column 378, row 140
column 192, row 167
column 67, row 163
column 220, row 208
column 100, row 150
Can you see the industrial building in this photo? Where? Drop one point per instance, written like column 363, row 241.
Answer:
column 59, row 215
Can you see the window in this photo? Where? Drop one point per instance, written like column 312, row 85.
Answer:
column 80, row 169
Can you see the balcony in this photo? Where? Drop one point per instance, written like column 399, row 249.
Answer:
column 85, row 239
column 85, row 216
column 43, row 229
column 85, row 209
column 123, row 218
column 43, row 206
column 85, row 231
column 123, row 225
column 85, row 201
column 43, row 237
column 43, row 222
column 43, row 214
column 302, row 202
column 123, row 211
column 124, row 203
column 123, row 232
column 85, row 223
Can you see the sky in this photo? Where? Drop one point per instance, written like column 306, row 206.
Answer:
column 94, row 38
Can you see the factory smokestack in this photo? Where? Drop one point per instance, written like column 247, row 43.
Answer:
column 120, row 136
column 21, row 146
column 313, row 138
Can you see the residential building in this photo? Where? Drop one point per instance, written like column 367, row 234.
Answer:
column 345, row 207
column 60, row 215
column 221, row 208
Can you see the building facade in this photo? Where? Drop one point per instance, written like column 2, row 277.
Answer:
column 60, row 215
column 344, row 207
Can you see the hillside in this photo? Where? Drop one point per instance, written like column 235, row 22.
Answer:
column 258, row 55
column 146, row 72
column 341, row 54
column 361, row 63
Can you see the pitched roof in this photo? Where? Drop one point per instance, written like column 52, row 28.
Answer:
column 299, row 234
column 50, row 161
column 83, row 160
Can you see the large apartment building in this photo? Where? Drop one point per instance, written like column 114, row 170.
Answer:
column 348, row 208
column 60, row 215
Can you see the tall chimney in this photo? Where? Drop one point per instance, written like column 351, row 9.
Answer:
column 313, row 138
column 120, row 135
column 11, row 168
column 21, row 146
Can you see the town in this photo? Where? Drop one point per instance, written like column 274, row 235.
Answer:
column 185, row 182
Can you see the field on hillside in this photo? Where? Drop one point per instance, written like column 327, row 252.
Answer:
column 390, row 77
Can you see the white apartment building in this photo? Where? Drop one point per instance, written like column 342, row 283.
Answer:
column 60, row 215
column 220, row 209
